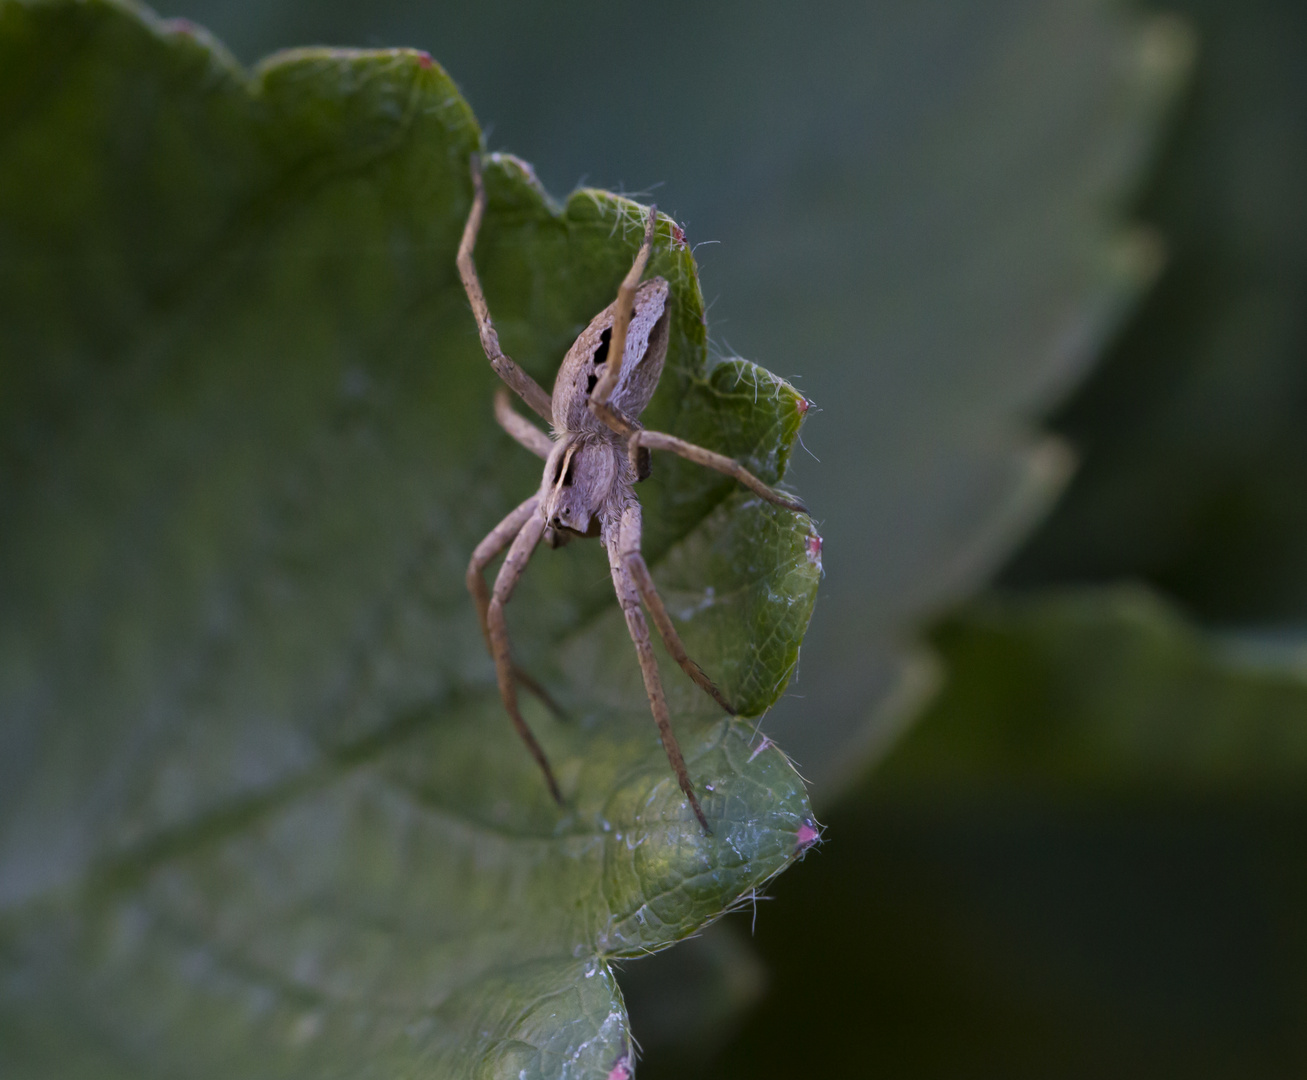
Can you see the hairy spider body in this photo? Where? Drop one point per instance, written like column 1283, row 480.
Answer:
column 596, row 455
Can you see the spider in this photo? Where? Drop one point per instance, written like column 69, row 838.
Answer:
column 596, row 454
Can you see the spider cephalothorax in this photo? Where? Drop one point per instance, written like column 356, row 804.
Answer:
column 581, row 476
column 597, row 454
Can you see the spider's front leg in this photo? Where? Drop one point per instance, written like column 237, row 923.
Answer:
column 485, row 553
column 629, row 544
column 495, row 541
column 628, row 596
column 528, row 536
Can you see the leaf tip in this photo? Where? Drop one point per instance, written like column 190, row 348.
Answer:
column 808, row 834
column 813, row 546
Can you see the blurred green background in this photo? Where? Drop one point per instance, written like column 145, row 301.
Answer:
column 1041, row 265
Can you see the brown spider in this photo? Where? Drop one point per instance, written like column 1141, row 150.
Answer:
column 596, row 455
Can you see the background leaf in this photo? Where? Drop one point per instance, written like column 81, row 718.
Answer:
column 1085, row 858
column 1195, row 429
column 261, row 813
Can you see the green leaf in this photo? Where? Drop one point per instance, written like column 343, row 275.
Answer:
column 1105, row 692
column 1195, row 429
column 261, row 813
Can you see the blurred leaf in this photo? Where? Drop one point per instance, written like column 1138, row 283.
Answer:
column 1195, row 430
column 261, row 813
column 1101, row 691
column 1085, row 860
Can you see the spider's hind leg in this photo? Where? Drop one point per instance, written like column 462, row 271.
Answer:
column 622, row 311
column 518, row 380
column 523, row 432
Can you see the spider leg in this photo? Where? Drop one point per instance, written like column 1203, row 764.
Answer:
column 518, row 380
column 497, row 632
column 657, row 440
column 638, row 569
column 628, row 595
column 496, row 540
column 607, row 383
column 529, row 684
column 523, row 431
column 499, row 538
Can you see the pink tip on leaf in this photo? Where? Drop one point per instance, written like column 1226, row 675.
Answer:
column 806, row 836
column 804, row 406
column 678, row 235
column 179, row 26
column 621, row 1070
column 424, row 59
column 814, row 547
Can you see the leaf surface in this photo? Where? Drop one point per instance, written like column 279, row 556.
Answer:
column 917, row 211
column 1194, row 431
column 261, row 813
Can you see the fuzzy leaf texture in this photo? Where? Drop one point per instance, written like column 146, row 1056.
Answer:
column 261, row 811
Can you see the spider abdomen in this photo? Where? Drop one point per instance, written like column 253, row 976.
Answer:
column 642, row 362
